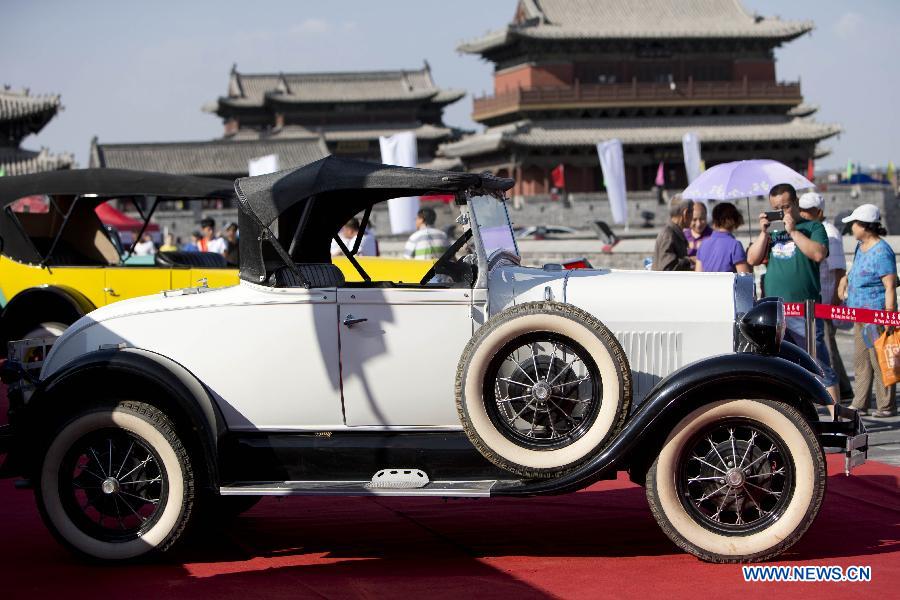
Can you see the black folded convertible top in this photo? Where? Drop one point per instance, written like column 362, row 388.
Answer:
column 268, row 196
column 305, row 207
column 111, row 182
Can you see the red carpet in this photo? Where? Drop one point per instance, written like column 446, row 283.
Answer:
column 601, row 542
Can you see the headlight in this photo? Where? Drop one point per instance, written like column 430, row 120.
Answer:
column 763, row 325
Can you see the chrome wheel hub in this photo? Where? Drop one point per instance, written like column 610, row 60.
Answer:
column 541, row 391
column 734, row 478
column 109, row 486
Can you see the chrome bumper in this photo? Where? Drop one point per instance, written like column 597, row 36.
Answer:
column 847, row 432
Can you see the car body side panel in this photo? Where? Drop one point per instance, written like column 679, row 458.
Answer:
column 269, row 357
column 16, row 276
column 129, row 282
column 398, row 367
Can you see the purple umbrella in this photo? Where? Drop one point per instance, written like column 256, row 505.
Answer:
column 742, row 179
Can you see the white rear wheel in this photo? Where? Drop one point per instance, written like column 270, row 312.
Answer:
column 116, row 482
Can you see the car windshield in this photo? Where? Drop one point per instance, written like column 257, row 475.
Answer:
column 493, row 225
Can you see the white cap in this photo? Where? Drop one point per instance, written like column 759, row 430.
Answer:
column 867, row 213
column 812, row 200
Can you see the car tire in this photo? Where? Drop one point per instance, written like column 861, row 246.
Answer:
column 535, row 412
column 751, row 520
column 52, row 329
column 116, row 482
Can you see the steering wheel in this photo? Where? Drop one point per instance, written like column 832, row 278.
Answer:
column 445, row 265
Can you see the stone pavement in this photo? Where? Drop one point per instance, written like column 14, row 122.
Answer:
column 884, row 434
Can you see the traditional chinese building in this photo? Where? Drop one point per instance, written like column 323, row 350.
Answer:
column 349, row 109
column 22, row 114
column 571, row 73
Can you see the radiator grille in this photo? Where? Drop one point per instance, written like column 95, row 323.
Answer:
column 652, row 356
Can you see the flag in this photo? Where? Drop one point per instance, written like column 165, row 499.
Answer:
column 558, row 175
column 702, row 165
column 811, row 169
column 849, row 169
column 400, row 149
column 891, row 173
column 2, row 172
column 660, row 176
column 690, row 144
column 612, row 163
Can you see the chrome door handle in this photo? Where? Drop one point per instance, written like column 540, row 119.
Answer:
column 350, row 320
column 111, row 292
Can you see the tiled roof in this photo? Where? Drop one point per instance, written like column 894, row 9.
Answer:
column 662, row 131
column 14, row 161
column 216, row 157
column 637, row 19
column 19, row 104
column 252, row 89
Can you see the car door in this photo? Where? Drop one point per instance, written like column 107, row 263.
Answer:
column 399, row 352
column 131, row 281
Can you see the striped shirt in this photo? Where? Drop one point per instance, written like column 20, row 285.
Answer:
column 426, row 244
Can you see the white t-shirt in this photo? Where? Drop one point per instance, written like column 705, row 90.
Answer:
column 366, row 247
column 835, row 260
column 217, row 245
column 144, row 248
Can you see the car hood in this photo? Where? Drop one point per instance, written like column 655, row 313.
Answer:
column 626, row 297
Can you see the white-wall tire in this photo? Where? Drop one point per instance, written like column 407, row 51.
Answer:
column 774, row 534
column 576, row 328
column 150, row 430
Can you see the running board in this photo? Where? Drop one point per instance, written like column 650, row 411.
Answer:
column 441, row 489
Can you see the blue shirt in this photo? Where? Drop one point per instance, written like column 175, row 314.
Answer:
column 866, row 290
column 720, row 253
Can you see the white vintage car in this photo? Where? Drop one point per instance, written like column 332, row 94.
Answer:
column 487, row 378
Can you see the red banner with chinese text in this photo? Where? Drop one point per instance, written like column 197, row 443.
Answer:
column 844, row 313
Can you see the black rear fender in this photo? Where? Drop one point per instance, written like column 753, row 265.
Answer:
column 124, row 374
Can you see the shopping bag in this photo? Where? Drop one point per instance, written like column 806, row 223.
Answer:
column 887, row 347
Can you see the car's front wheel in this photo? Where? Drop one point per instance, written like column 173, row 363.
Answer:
column 738, row 480
column 116, row 482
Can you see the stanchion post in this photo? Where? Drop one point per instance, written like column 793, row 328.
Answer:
column 810, row 316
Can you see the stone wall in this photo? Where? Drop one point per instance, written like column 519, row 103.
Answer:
column 581, row 210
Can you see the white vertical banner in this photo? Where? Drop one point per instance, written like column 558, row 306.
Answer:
column 612, row 163
column 400, row 149
column 262, row 165
column 690, row 143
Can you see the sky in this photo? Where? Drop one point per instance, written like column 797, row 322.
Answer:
column 141, row 71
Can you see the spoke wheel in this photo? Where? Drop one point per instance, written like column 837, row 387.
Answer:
column 543, row 390
column 113, row 485
column 736, row 477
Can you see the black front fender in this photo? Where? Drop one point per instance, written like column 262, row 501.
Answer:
column 126, row 374
column 699, row 383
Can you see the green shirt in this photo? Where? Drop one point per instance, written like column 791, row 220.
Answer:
column 790, row 274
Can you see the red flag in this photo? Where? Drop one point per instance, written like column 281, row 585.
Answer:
column 559, row 176
column 660, row 176
column 811, row 170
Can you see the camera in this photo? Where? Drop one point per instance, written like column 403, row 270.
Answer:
column 774, row 215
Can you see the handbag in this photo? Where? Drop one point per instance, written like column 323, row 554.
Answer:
column 887, row 347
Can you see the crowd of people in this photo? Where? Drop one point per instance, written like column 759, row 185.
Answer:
column 804, row 260
column 205, row 239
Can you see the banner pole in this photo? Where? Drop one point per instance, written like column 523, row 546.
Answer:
column 810, row 316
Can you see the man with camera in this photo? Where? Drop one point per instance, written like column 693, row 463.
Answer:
column 794, row 248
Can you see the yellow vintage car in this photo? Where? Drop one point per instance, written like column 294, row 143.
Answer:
column 59, row 263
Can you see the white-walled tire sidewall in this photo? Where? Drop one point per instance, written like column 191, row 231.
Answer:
column 795, row 515
column 542, row 459
column 50, row 496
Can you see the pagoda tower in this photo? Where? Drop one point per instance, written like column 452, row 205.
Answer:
column 571, row 73
column 22, row 114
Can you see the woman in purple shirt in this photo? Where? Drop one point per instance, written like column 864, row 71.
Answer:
column 721, row 252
